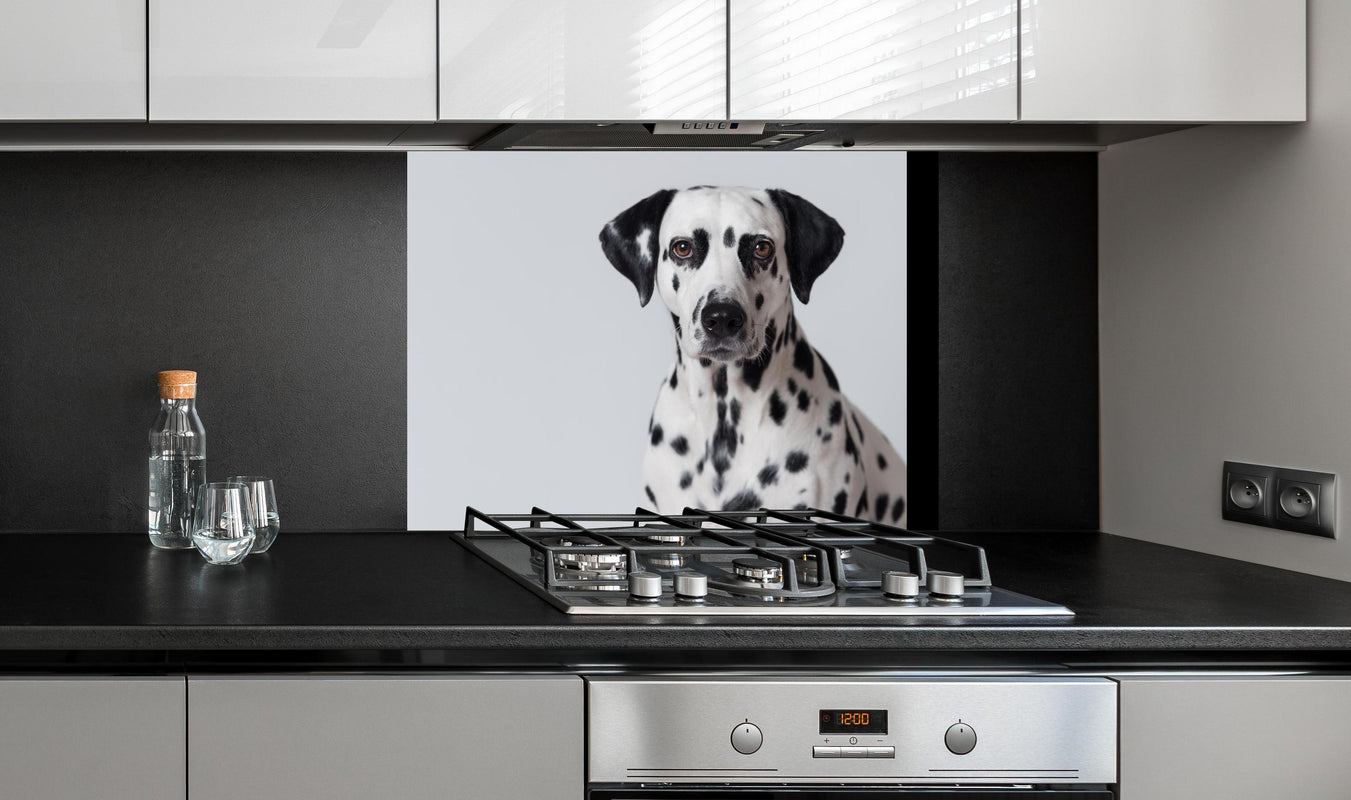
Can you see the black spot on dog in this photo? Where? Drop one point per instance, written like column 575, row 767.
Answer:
column 846, row 477
column 796, row 461
column 777, row 408
column 881, row 464
column 774, row 268
column 656, row 435
column 803, row 359
column 705, row 362
column 759, row 301
column 859, row 427
column 803, row 400
column 840, row 500
column 650, row 496
column 728, row 238
column 752, row 370
column 724, row 442
column 681, row 445
column 827, row 438
column 686, row 479
column 829, row 373
column 800, row 507
column 742, row 501
column 696, row 260
column 882, row 502
column 699, row 468
column 768, row 475
column 836, row 412
column 862, row 506
column 717, row 484
column 736, row 412
column 757, row 201
column 720, row 381
column 792, row 386
column 849, row 448
column 675, row 282
column 675, row 377
column 898, row 509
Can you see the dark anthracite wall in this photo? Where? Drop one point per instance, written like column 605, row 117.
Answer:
column 1004, row 341
column 280, row 277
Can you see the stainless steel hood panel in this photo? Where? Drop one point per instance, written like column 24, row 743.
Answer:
column 602, row 136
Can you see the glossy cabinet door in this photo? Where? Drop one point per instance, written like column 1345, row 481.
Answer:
column 280, row 738
column 603, row 60
column 110, row 738
column 874, row 60
column 293, row 60
column 72, row 60
column 1163, row 60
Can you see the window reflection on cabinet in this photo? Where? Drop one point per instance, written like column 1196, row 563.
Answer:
column 583, row 59
column 874, row 59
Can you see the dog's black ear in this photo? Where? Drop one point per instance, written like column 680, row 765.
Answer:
column 814, row 239
column 630, row 241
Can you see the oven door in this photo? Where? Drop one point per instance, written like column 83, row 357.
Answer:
column 854, row 793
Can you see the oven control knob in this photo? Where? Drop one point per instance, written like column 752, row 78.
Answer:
column 644, row 585
column 960, row 738
column 746, row 738
column 946, row 584
column 900, row 584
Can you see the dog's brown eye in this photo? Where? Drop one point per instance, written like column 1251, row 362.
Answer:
column 682, row 248
column 764, row 249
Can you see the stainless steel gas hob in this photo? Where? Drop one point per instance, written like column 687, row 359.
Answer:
column 765, row 562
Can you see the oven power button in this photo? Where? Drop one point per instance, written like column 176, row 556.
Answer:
column 960, row 738
column 746, row 738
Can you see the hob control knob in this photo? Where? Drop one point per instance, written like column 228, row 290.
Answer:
column 946, row 584
column 691, row 585
column 746, row 738
column 644, row 585
column 960, row 738
column 900, row 584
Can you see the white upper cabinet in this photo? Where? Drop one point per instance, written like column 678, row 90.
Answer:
column 874, row 59
column 293, row 60
column 603, row 60
column 72, row 60
column 1163, row 60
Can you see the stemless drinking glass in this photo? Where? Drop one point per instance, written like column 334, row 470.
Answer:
column 266, row 519
column 222, row 522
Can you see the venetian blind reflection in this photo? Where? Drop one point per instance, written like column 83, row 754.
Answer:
column 869, row 59
column 588, row 59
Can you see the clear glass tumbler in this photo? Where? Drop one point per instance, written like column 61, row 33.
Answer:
column 222, row 522
column 266, row 518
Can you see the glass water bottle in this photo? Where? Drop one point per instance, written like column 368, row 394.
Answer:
column 177, row 460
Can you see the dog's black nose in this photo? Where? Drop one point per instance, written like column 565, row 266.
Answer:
column 722, row 319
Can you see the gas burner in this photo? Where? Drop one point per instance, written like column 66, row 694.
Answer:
column 667, row 538
column 759, row 571
column 591, row 562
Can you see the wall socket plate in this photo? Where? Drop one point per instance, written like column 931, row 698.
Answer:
column 1276, row 497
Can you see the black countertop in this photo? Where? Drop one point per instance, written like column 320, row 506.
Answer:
column 401, row 598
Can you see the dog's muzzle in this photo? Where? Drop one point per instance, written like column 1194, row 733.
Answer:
column 724, row 327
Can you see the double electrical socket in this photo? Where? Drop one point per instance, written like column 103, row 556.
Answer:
column 1289, row 499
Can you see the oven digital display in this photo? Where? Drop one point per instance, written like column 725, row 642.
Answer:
column 842, row 720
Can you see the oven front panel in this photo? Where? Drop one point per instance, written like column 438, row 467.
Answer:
column 923, row 731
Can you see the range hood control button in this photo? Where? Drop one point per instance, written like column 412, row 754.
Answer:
column 746, row 738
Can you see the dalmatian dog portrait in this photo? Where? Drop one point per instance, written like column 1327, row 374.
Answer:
column 750, row 415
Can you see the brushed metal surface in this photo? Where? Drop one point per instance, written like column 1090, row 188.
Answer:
column 1032, row 730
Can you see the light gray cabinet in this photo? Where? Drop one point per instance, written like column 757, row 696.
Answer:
column 110, row 738
column 385, row 736
column 1238, row 739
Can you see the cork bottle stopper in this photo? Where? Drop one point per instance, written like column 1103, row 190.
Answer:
column 178, row 384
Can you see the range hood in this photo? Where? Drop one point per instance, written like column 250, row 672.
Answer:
column 605, row 136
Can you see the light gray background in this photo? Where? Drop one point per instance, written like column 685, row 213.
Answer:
column 1224, row 292
column 531, row 367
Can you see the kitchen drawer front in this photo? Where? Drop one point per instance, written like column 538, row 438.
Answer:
column 602, row 60
column 1239, row 738
column 72, row 60
column 110, row 738
column 292, row 60
column 385, row 736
